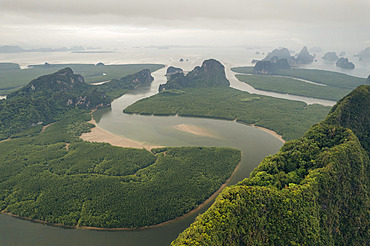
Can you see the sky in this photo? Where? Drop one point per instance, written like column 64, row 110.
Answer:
column 110, row 24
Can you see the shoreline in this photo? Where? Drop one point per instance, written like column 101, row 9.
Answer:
column 271, row 132
column 99, row 135
column 191, row 212
column 195, row 130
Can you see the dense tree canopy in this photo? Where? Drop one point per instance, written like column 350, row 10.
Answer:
column 313, row 192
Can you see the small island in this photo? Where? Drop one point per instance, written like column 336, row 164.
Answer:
column 211, row 73
column 330, row 56
column 201, row 94
column 344, row 63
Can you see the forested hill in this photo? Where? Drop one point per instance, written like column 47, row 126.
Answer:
column 210, row 74
column 116, row 87
column 314, row 191
column 50, row 97
column 63, row 89
column 353, row 112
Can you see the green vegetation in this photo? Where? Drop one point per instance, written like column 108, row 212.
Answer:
column 329, row 78
column 337, row 85
column 55, row 177
column 9, row 66
column 353, row 112
column 51, row 97
column 47, row 99
column 250, row 99
column 293, row 86
column 117, row 87
column 290, row 119
column 210, row 74
column 246, row 70
column 314, row 191
column 12, row 78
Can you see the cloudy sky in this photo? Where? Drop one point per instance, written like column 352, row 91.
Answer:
column 126, row 23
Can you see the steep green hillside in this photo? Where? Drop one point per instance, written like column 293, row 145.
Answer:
column 12, row 77
column 51, row 97
column 314, row 191
column 353, row 112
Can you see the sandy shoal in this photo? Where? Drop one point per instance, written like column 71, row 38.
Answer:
column 195, row 130
column 273, row 133
column 100, row 135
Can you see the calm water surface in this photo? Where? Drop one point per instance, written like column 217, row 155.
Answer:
column 254, row 143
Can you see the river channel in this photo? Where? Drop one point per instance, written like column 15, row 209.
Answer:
column 254, row 143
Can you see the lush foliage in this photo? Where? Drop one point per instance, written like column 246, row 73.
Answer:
column 9, row 66
column 353, row 112
column 329, row 78
column 117, row 87
column 55, row 177
column 210, row 74
column 51, row 97
column 12, row 78
column 337, row 85
column 293, row 86
column 313, row 192
column 290, row 119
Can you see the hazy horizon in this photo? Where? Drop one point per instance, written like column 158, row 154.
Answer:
column 331, row 25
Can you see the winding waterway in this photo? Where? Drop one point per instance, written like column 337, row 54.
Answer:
column 254, row 143
column 235, row 83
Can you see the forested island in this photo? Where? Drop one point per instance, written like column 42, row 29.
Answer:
column 13, row 77
column 201, row 97
column 48, row 174
column 314, row 191
column 316, row 83
column 52, row 97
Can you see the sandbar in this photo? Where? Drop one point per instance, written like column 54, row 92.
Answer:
column 100, row 135
column 195, row 130
column 273, row 133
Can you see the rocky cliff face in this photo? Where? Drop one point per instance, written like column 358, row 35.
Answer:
column 280, row 53
column 211, row 73
column 142, row 77
column 364, row 55
column 173, row 70
column 270, row 67
column 344, row 63
column 64, row 88
column 304, row 57
column 330, row 56
column 63, row 80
